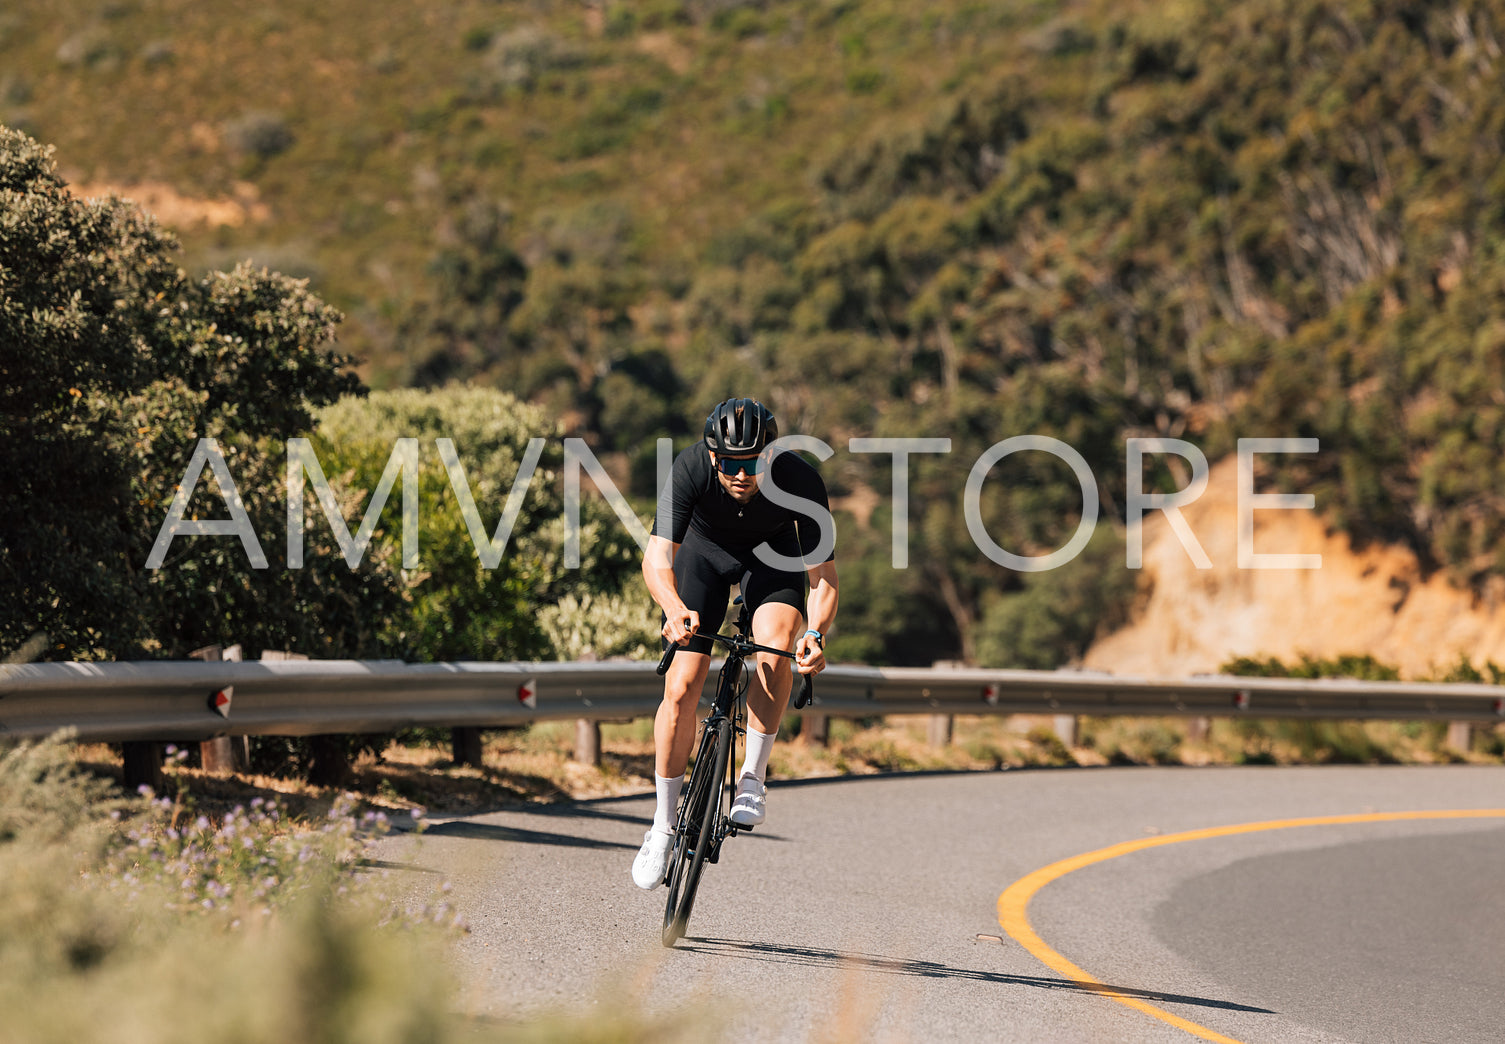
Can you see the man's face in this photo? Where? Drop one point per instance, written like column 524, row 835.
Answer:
column 741, row 485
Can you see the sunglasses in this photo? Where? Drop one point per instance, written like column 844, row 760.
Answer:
column 731, row 465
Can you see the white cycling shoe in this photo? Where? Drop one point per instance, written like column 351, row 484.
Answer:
column 751, row 804
column 652, row 859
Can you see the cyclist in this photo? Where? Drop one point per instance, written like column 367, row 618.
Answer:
column 717, row 518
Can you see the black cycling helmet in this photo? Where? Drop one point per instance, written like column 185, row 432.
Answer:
column 740, row 426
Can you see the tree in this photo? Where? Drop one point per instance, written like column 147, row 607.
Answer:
column 113, row 363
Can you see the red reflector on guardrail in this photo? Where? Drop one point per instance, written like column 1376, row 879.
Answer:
column 219, row 700
column 527, row 693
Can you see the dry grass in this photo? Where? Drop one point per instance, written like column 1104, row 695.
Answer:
column 536, row 764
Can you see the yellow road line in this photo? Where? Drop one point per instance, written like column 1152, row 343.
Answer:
column 1013, row 904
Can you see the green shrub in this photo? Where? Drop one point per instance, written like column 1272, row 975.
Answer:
column 89, row 48
column 1049, row 750
column 456, row 608
column 603, row 626
column 1341, row 742
column 1135, row 741
column 258, row 134
column 516, row 60
column 1352, row 665
column 1057, row 614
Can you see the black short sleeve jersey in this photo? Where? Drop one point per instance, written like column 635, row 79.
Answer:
column 699, row 502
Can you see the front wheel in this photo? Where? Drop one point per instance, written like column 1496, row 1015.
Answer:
column 696, row 833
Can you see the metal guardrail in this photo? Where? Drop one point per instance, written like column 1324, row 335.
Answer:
column 193, row 700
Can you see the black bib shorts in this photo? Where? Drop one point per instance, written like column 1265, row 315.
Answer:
column 705, row 573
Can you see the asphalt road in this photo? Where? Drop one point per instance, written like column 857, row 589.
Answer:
column 854, row 912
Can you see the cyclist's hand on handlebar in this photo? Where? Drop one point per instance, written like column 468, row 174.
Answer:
column 680, row 627
column 809, row 657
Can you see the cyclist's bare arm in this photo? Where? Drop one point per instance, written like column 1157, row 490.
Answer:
column 658, row 574
column 821, row 605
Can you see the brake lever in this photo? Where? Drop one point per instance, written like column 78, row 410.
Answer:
column 663, row 665
column 806, row 693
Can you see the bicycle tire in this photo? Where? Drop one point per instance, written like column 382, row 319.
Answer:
column 704, row 811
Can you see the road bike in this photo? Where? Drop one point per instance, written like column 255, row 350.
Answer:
column 705, row 807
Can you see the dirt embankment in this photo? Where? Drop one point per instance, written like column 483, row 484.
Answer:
column 1375, row 600
column 177, row 211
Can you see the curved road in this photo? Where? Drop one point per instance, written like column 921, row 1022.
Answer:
column 855, row 911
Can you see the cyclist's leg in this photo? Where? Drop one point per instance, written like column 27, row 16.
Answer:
column 778, row 625
column 777, row 599
column 674, row 725
column 701, row 577
column 673, row 732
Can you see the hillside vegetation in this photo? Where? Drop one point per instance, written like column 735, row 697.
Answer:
column 1088, row 220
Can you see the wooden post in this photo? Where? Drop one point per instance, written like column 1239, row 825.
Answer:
column 816, row 729
column 223, row 755
column 940, row 726
column 218, row 755
column 1066, row 731
column 940, row 730
column 587, row 741
column 466, row 742
column 143, row 765
column 1197, row 729
column 1460, row 736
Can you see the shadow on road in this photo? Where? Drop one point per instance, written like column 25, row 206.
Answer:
column 580, row 810
column 814, row 957
column 490, row 832
column 496, row 832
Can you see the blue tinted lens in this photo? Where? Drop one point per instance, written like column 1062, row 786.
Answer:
column 730, row 465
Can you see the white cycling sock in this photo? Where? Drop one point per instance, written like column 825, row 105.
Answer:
column 759, row 746
column 667, row 809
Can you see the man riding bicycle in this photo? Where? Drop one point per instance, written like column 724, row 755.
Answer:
column 718, row 519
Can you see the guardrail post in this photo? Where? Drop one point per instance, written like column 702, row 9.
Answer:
column 1460, row 736
column 1197, row 729
column 940, row 730
column 940, row 726
column 1066, row 729
column 587, row 741
column 466, row 743
column 816, row 729
column 223, row 754
column 143, row 765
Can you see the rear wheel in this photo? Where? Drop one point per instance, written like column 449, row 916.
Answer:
column 697, row 832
